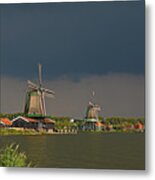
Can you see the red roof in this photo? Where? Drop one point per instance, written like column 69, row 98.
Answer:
column 98, row 123
column 47, row 120
column 30, row 119
column 5, row 121
column 139, row 126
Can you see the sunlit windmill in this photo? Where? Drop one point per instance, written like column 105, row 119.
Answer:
column 93, row 109
column 35, row 97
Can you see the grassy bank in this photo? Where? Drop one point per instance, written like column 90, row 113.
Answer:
column 9, row 131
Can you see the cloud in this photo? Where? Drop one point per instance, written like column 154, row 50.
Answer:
column 117, row 94
column 73, row 38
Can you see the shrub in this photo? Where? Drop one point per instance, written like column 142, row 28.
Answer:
column 11, row 157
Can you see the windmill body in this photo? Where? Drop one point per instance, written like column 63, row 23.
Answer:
column 35, row 97
column 92, row 116
column 93, row 110
column 33, row 105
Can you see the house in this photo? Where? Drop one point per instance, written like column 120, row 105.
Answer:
column 139, row 127
column 98, row 126
column 25, row 122
column 89, row 124
column 32, row 123
column 93, row 125
column 5, row 122
column 48, row 123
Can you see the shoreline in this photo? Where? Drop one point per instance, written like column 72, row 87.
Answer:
column 26, row 132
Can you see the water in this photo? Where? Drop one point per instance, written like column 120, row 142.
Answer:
column 107, row 151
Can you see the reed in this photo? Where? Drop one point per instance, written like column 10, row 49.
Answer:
column 10, row 156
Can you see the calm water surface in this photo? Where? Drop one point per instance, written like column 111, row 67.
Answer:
column 107, row 151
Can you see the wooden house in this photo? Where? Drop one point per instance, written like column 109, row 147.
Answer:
column 25, row 122
column 33, row 123
column 48, row 123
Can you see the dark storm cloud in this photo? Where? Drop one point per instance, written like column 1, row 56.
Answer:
column 73, row 39
column 117, row 94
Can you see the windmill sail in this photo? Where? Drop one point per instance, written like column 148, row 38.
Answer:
column 43, row 103
column 32, row 85
column 40, row 74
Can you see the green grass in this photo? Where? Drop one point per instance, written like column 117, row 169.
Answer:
column 9, row 131
column 10, row 156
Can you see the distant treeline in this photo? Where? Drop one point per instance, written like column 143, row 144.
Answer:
column 111, row 120
column 11, row 116
column 118, row 120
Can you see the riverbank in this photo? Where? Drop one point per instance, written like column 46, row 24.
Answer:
column 21, row 131
column 11, row 131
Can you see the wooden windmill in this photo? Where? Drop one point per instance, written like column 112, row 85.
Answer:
column 35, row 97
column 92, row 109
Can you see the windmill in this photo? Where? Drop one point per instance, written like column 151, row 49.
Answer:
column 35, row 97
column 93, row 109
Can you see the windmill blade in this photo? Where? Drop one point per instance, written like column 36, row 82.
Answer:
column 32, row 85
column 90, row 103
column 49, row 95
column 43, row 97
column 43, row 103
column 48, row 91
column 93, row 93
column 40, row 74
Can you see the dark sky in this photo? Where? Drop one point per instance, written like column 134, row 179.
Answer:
column 72, row 39
column 83, row 47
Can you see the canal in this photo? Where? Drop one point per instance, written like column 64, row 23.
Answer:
column 104, row 151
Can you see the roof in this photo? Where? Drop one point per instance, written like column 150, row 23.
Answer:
column 98, row 123
column 35, row 115
column 5, row 121
column 91, row 120
column 24, row 119
column 48, row 120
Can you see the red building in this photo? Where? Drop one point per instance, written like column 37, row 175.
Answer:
column 5, row 122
